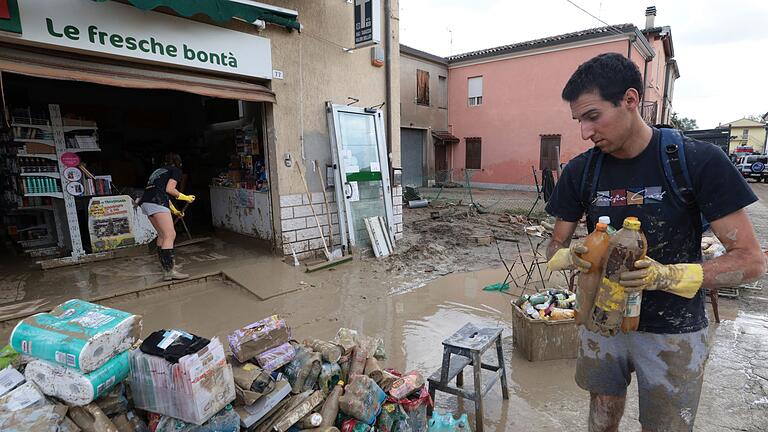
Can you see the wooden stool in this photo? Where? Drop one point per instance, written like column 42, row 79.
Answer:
column 468, row 345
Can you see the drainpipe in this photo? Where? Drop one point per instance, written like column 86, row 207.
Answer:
column 388, row 75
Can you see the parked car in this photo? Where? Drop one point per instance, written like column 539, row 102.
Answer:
column 753, row 167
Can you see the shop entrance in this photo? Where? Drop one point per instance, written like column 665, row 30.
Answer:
column 119, row 137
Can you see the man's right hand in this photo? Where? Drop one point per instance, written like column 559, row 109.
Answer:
column 569, row 259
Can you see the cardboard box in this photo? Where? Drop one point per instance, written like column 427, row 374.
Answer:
column 541, row 340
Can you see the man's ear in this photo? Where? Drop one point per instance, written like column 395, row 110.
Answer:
column 632, row 98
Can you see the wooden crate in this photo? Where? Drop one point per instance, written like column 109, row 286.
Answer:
column 541, row 340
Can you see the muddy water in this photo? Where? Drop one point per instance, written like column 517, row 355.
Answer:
column 412, row 324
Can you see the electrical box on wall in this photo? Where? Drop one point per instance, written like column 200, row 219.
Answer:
column 377, row 56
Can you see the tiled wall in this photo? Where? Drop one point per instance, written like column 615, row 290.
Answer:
column 299, row 228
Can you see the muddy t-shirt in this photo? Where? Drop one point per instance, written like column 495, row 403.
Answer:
column 154, row 192
column 638, row 187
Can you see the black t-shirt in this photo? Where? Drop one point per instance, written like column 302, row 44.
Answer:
column 638, row 187
column 154, row 192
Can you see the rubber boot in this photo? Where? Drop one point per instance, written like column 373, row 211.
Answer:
column 169, row 266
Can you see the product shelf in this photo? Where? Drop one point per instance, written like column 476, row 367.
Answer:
column 38, row 155
column 42, row 174
column 45, row 194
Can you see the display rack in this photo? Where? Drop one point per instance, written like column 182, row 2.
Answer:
column 35, row 187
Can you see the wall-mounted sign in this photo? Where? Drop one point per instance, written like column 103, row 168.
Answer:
column 367, row 22
column 117, row 30
column 70, row 159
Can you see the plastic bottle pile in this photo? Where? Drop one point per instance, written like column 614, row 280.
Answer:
column 181, row 382
column 554, row 304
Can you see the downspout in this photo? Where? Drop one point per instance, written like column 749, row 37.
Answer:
column 666, row 94
column 388, row 78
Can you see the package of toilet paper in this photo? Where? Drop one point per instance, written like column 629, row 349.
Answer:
column 77, row 388
column 77, row 334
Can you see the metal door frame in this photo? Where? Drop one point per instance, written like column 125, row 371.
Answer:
column 346, row 231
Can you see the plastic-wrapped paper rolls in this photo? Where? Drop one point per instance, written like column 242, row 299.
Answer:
column 77, row 334
column 74, row 387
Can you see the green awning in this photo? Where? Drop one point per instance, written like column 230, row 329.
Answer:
column 222, row 10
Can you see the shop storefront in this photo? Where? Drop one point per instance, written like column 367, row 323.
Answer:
column 97, row 92
column 239, row 88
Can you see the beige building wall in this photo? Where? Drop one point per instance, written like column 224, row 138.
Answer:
column 424, row 117
column 317, row 67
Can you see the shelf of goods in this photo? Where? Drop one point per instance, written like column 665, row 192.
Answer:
column 42, row 174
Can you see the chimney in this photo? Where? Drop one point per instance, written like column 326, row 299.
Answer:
column 650, row 17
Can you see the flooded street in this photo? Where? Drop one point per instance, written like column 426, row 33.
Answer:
column 413, row 311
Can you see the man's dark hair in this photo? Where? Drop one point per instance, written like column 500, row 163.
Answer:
column 611, row 74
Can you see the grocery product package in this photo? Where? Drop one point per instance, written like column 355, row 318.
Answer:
column 302, row 372
column 251, row 382
column 252, row 340
column 362, row 399
column 276, row 357
column 73, row 387
column 225, row 420
column 77, row 334
column 25, row 408
column 193, row 390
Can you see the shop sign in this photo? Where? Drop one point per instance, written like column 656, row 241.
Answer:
column 10, row 20
column 118, row 30
column 110, row 222
column 367, row 22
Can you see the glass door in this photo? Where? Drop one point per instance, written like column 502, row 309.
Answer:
column 362, row 171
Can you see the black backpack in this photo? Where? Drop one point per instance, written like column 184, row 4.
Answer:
column 672, row 153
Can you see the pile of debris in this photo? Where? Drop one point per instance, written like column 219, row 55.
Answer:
column 83, row 367
column 554, row 304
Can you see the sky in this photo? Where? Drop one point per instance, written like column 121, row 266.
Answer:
column 721, row 47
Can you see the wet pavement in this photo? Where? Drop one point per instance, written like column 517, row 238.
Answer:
column 412, row 314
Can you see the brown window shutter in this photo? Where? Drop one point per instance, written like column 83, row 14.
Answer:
column 474, row 153
column 422, row 87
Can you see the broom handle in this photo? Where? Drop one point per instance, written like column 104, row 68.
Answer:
column 317, row 221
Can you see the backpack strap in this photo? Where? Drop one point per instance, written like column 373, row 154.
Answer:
column 589, row 179
column 673, row 160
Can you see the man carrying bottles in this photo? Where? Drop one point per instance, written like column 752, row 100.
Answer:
column 670, row 349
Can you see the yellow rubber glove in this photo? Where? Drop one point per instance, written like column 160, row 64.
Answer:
column 187, row 198
column 567, row 259
column 681, row 279
column 175, row 211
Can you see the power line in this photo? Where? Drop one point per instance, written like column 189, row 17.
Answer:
column 610, row 27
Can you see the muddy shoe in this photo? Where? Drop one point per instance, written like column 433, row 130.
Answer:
column 172, row 274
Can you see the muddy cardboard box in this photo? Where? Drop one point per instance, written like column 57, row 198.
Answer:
column 542, row 339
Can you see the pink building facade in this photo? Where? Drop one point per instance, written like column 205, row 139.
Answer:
column 519, row 116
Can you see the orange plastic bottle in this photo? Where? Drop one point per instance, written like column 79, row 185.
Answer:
column 597, row 243
column 631, row 320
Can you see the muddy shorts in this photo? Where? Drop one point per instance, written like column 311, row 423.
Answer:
column 669, row 368
column 151, row 208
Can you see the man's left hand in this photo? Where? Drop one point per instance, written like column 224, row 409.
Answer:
column 680, row 279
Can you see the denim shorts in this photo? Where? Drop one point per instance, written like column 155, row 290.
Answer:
column 669, row 369
column 151, row 208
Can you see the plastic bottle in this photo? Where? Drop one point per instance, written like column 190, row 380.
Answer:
column 330, row 352
column 607, row 220
column 626, row 247
column 446, row 423
column 631, row 320
column 330, row 408
column 597, row 243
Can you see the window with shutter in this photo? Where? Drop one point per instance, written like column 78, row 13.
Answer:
column 422, row 87
column 475, row 91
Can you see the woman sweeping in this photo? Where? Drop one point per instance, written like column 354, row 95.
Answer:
column 156, row 204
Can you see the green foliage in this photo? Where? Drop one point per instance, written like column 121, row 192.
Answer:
column 682, row 123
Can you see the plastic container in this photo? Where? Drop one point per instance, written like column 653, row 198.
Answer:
column 627, row 246
column 446, row 423
column 631, row 321
column 330, row 374
column 330, row 408
column 597, row 243
column 303, row 370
